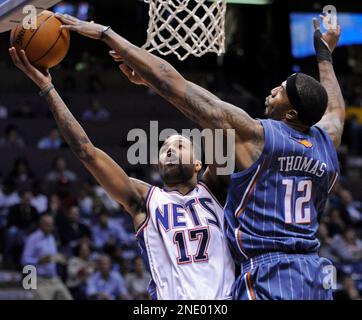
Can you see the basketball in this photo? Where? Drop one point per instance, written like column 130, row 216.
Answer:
column 47, row 45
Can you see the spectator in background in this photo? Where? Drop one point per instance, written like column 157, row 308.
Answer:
column 66, row 195
column 80, row 268
column 23, row 215
column 335, row 223
column 96, row 112
column 39, row 200
column 105, row 199
column 12, row 138
column 51, row 141
column 117, row 257
column 24, row 111
column 352, row 207
column 71, row 231
column 137, row 281
column 54, row 207
column 41, row 251
column 347, row 247
column 8, row 197
column 106, row 284
column 3, row 112
column 86, row 199
column 60, row 173
column 349, row 290
column 21, row 174
column 325, row 249
column 106, row 233
column 22, row 220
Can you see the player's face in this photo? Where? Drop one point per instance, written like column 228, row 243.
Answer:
column 177, row 161
column 277, row 103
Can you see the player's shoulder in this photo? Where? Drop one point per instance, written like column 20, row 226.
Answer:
column 268, row 125
column 324, row 136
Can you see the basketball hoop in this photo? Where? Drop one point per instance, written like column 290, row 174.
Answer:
column 186, row 27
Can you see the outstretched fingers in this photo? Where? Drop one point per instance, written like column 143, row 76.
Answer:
column 15, row 57
column 116, row 57
column 316, row 24
column 69, row 27
column 24, row 59
column 127, row 71
column 67, row 19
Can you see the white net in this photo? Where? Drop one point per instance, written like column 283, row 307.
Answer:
column 186, row 27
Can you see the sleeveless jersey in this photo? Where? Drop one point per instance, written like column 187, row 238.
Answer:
column 184, row 246
column 276, row 204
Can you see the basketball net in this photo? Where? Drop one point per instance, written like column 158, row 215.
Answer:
column 186, row 27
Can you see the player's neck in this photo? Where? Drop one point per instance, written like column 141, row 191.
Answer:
column 183, row 187
column 297, row 125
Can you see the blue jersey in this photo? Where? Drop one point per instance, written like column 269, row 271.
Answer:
column 276, row 204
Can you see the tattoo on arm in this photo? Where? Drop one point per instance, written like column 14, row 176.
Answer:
column 257, row 141
column 209, row 111
column 333, row 120
column 69, row 127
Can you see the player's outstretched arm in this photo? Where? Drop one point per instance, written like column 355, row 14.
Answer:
column 130, row 193
column 333, row 119
column 196, row 103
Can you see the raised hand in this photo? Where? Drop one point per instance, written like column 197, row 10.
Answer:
column 330, row 37
column 88, row 29
column 128, row 72
column 41, row 78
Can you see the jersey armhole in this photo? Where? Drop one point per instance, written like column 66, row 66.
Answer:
column 334, row 180
column 326, row 135
column 145, row 222
column 264, row 154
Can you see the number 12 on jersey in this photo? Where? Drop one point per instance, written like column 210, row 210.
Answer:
column 298, row 204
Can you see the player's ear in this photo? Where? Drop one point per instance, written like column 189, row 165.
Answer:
column 198, row 166
column 291, row 115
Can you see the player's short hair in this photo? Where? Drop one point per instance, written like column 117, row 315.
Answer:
column 308, row 97
column 177, row 135
column 180, row 136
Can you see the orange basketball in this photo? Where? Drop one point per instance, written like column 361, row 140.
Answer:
column 45, row 46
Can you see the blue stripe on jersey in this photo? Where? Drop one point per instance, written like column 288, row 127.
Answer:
column 142, row 244
column 276, row 204
column 152, row 285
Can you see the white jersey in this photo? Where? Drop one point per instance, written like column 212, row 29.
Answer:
column 184, row 246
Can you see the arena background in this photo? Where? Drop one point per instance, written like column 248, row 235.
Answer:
column 39, row 174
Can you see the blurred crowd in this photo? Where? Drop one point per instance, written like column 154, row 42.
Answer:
column 82, row 243
column 352, row 92
column 340, row 234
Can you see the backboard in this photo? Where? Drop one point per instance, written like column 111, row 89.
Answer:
column 11, row 11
